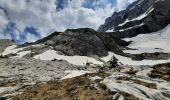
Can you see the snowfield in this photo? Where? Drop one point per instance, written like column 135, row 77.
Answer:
column 76, row 60
column 150, row 43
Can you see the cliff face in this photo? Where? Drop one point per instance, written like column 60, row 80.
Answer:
column 142, row 16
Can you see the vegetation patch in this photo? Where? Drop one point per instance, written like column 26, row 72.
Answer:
column 117, row 94
column 146, row 84
column 161, row 71
column 78, row 88
column 132, row 71
column 151, row 56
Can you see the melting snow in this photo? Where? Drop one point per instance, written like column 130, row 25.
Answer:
column 76, row 60
column 74, row 73
column 150, row 43
column 11, row 49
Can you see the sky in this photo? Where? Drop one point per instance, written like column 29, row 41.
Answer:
column 29, row 20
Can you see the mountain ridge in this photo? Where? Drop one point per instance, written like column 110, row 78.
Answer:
column 142, row 16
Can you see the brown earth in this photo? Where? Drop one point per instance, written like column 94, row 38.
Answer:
column 78, row 88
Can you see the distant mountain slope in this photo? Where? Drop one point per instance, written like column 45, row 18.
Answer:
column 142, row 16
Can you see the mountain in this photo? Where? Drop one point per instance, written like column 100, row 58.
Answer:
column 142, row 16
column 84, row 64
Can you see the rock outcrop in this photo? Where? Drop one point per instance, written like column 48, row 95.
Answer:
column 83, row 42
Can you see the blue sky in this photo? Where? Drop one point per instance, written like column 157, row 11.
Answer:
column 29, row 20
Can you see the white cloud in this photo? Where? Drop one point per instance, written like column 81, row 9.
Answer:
column 41, row 14
column 75, row 16
column 121, row 4
column 30, row 37
column 3, row 18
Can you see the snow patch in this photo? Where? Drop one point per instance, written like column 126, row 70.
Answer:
column 131, row 27
column 95, row 78
column 108, row 58
column 14, row 50
column 140, row 17
column 11, row 50
column 74, row 73
column 76, row 60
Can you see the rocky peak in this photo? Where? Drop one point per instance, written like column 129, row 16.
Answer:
column 83, row 42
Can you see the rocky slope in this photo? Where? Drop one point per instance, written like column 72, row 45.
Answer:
column 123, row 82
column 142, row 16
